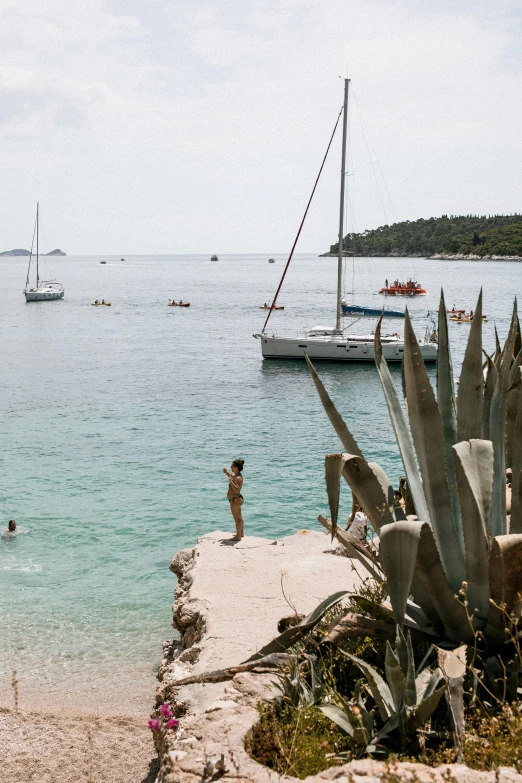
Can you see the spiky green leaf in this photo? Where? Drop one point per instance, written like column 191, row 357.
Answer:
column 428, row 438
column 469, row 398
column 474, row 471
column 400, row 427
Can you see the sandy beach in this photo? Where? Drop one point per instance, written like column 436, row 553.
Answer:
column 100, row 737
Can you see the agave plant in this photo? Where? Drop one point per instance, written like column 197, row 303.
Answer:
column 404, row 702
column 293, row 688
column 454, row 567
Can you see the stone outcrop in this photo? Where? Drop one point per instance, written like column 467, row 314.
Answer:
column 228, row 602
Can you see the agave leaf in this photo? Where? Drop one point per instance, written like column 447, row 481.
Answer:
column 400, row 428
column 343, row 433
column 338, row 716
column 517, row 345
column 505, row 575
column 427, row 707
column 380, row 690
column 399, row 543
column 366, row 486
column 292, row 635
column 356, row 549
column 469, row 399
column 411, row 690
column 498, row 351
column 497, row 430
column 447, row 405
column 394, row 676
column 428, row 437
column 384, row 481
column 513, row 401
column 427, row 682
column 474, row 471
column 333, row 468
column 489, row 388
column 431, row 575
column 517, row 362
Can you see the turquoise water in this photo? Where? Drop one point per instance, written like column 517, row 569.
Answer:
column 116, row 423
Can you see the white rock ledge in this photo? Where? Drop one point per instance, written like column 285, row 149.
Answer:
column 228, row 602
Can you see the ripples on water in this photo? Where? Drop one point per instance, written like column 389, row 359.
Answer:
column 117, row 421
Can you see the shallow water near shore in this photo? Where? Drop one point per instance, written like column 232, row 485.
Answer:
column 117, row 421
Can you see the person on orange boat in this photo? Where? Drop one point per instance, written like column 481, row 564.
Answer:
column 471, row 314
column 103, row 301
column 386, row 283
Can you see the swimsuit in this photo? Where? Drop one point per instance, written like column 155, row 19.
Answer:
column 235, row 498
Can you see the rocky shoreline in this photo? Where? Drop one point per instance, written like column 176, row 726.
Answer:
column 435, row 256
column 228, row 602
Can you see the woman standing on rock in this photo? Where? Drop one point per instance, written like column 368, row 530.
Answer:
column 235, row 498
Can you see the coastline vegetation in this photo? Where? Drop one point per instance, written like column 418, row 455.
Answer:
column 424, row 662
column 481, row 235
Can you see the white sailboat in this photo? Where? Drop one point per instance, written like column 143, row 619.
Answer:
column 336, row 343
column 44, row 290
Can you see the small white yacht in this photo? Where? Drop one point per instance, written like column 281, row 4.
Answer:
column 44, row 290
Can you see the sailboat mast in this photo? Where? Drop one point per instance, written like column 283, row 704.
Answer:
column 341, row 207
column 37, row 276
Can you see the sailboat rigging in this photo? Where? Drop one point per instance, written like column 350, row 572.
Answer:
column 44, row 289
column 335, row 343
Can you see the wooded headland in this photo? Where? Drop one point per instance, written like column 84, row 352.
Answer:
column 477, row 235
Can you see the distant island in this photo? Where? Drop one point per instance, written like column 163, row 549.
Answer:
column 454, row 236
column 21, row 252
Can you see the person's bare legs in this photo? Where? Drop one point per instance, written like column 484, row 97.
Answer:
column 235, row 508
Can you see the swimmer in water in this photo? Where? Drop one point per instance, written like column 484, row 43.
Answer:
column 10, row 529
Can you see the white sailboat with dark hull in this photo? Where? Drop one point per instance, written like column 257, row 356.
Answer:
column 335, row 343
column 44, row 290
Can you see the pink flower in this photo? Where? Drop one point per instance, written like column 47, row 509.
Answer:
column 172, row 724
column 166, row 711
column 154, row 725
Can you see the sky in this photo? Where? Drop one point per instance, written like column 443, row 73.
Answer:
column 190, row 126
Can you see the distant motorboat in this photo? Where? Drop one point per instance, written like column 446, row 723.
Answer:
column 44, row 290
column 103, row 262
column 103, row 303
column 410, row 288
column 267, row 307
column 122, row 259
column 271, row 260
column 178, row 304
column 214, row 258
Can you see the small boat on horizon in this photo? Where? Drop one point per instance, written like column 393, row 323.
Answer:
column 214, row 258
column 181, row 303
column 103, row 262
column 45, row 290
column 267, row 307
column 271, row 260
column 103, row 303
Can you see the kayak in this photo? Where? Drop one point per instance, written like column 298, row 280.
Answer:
column 178, row 304
column 464, row 319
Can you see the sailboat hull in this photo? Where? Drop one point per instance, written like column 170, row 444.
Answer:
column 42, row 296
column 340, row 349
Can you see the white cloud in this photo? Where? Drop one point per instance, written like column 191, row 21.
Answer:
column 218, row 114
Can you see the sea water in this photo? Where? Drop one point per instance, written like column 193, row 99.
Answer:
column 117, row 421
